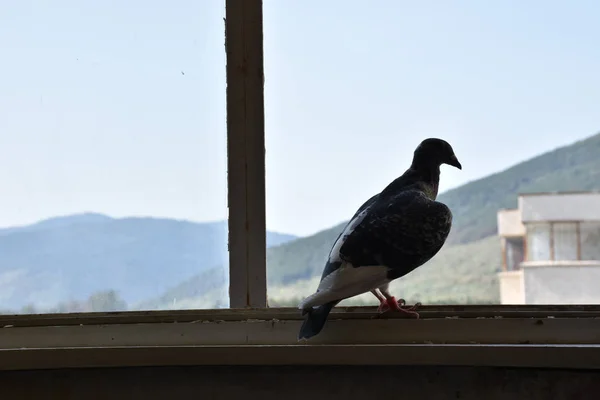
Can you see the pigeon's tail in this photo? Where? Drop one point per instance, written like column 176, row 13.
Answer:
column 315, row 320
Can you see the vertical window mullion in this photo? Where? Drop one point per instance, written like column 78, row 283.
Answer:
column 578, row 233
column 246, row 153
column 552, row 241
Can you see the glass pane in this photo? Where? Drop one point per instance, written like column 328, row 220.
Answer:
column 590, row 241
column 565, row 241
column 112, row 156
column 514, row 253
column 538, row 242
column 353, row 87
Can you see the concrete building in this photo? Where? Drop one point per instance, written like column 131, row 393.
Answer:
column 551, row 249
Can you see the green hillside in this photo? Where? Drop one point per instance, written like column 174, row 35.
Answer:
column 205, row 290
column 302, row 258
column 465, row 269
column 459, row 274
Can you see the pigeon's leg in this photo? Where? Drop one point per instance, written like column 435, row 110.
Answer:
column 382, row 300
column 393, row 303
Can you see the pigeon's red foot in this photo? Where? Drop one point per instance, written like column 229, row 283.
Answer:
column 383, row 306
column 393, row 304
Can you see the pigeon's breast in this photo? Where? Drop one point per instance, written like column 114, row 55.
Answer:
column 429, row 189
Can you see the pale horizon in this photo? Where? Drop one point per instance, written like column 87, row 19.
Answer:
column 221, row 220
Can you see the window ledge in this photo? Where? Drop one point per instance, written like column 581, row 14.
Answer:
column 512, row 336
column 560, row 263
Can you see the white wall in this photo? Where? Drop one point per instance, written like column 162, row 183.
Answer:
column 576, row 283
column 509, row 223
column 511, row 287
column 560, row 207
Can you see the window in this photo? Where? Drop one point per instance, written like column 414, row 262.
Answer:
column 250, row 333
column 514, row 253
column 561, row 241
column 565, row 241
column 348, row 101
column 112, row 157
column 590, row 241
column 538, row 242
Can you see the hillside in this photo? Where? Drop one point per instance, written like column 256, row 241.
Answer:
column 205, row 290
column 460, row 274
column 73, row 257
column 465, row 268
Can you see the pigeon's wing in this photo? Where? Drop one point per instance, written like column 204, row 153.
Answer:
column 333, row 260
column 366, row 204
column 401, row 232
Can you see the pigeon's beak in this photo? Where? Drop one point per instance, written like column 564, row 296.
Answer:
column 454, row 162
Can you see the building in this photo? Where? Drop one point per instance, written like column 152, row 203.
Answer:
column 551, row 249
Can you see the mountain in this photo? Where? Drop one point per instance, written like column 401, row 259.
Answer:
column 56, row 222
column 465, row 269
column 72, row 257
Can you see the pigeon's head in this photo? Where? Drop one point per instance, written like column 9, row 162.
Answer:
column 435, row 152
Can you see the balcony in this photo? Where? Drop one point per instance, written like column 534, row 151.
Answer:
column 551, row 249
column 551, row 282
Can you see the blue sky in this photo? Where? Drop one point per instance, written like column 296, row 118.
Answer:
column 119, row 107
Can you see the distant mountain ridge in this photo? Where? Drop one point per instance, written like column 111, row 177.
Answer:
column 58, row 222
column 71, row 257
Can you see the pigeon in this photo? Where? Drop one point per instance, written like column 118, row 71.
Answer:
column 389, row 236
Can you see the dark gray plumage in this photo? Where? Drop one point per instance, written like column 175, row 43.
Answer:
column 390, row 235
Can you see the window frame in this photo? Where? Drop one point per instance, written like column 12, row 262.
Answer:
column 552, row 225
column 246, row 154
column 508, row 336
column 250, row 333
column 555, row 226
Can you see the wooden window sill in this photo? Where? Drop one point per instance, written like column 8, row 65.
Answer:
column 511, row 336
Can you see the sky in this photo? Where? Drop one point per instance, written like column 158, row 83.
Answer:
column 118, row 107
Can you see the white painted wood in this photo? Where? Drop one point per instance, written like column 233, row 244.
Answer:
column 291, row 314
column 246, row 154
column 284, row 333
column 543, row 336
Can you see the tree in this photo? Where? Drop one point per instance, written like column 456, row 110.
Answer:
column 107, row 300
column 29, row 309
